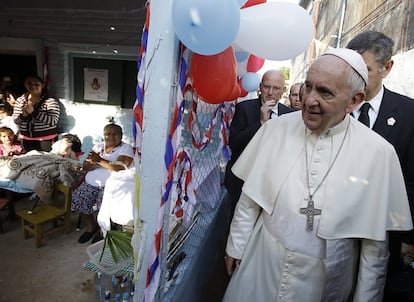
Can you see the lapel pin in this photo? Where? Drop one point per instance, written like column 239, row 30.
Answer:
column 391, row 121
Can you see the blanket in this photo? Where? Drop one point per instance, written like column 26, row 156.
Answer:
column 38, row 172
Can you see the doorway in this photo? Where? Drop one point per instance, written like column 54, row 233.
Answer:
column 17, row 67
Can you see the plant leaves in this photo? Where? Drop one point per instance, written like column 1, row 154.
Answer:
column 119, row 243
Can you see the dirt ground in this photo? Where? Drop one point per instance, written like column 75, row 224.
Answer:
column 50, row 273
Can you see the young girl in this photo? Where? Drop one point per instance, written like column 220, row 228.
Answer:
column 9, row 145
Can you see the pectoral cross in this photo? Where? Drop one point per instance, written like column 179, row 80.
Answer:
column 310, row 211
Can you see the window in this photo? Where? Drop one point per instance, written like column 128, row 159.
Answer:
column 112, row 82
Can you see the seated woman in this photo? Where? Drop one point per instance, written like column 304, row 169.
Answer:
column 111, row 155
column 9, row 145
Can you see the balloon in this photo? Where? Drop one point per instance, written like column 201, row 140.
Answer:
column 241, row 56
column 250, row 81
column 235, row 93
column 241, row 68
column 206, row 27
column 241, row 2
column 275, row 30
column 214, row 77
column 243, row 92
column 253, row 2
column 254, row 63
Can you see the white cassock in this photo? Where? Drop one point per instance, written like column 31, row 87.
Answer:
column 361, row 194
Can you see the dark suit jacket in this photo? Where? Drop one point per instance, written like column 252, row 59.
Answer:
column 399, row 108
column 245, row 123
column 400, row 135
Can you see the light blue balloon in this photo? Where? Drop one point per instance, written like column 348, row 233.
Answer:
column 206, row 27
column 250, row 81
column 241, row 56
column 241, row 2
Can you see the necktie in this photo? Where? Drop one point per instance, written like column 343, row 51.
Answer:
column 363, row 116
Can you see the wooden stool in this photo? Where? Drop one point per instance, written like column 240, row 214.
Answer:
column 58, row 215
column 4, row 205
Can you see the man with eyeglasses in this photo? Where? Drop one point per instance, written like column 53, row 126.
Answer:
column 248, row 117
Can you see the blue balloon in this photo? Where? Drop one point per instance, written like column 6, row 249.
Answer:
column 241, row 2
column 241, row 56
column 206, row 27
column 250, row 81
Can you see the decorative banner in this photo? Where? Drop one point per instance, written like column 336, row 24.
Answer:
column 275, row 30
column 95, row 84
column 138, row 108
column 170, row 157
column 185, row 195
column 224, row 118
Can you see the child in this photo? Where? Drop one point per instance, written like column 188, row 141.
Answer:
column 6, row 120
column 9, row 145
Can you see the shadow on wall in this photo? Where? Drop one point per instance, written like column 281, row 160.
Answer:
column 124, row 118
column 87, row 143
column 66, row 122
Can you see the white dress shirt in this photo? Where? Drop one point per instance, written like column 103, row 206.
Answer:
column 375, row 103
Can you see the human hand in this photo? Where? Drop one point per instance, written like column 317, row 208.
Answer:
column 28, row 108
column 93, row 157
column 407, row 254
column 265, row 110
column 231, row 264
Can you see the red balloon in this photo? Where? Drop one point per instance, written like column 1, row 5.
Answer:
column 253, row 2
column 235, row 93
column 243, row 92
column 214, row 77
column 254, row 63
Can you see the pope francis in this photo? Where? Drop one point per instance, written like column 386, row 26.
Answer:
column 311, row 223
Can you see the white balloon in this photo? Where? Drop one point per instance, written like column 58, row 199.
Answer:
column 275, row 30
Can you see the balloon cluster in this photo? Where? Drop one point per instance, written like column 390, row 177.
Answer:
column 231, row 39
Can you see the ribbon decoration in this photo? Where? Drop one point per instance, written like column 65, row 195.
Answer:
column 225, row 117
column 185, row 188
column 173, row 140
column 138, row 108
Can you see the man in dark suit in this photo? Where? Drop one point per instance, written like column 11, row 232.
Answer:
column 249, row 115
column 392, row 116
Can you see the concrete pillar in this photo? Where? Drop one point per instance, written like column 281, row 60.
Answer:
column 161, row 63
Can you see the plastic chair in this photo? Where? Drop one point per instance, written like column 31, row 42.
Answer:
column 34, row 222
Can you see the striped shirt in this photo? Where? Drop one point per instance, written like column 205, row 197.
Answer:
column 42, row 122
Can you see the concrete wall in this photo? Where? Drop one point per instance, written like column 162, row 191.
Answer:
column 393, row 18
column 71, row 29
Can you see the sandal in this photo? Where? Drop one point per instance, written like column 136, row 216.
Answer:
column 98, row 237
column 86, row 236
